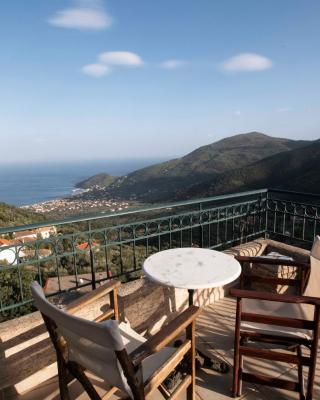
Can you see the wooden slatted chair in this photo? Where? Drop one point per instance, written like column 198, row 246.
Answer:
column 281, row 320
column 114, row 352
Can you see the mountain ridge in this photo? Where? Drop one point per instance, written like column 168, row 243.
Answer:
column 160, row 182
column 297, row 169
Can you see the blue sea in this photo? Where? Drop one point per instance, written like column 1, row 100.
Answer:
column 22, row 184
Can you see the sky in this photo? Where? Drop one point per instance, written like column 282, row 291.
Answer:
column 110, row 79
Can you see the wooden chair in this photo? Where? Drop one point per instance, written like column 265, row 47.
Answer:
column 114, row 352
column 283, row 321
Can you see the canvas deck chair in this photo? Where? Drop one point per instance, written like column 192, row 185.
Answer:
column 114, row 352
column 281, row 320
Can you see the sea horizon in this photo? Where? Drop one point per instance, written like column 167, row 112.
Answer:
column 35, row 182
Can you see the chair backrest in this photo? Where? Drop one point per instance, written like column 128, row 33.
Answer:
column 91, row 342
column 313, row 286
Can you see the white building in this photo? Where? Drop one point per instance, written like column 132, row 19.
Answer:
column 44, row 233
column 9, row 252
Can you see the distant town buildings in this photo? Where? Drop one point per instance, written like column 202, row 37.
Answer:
column 43, row 233
column 76, row 205
column 12, row 251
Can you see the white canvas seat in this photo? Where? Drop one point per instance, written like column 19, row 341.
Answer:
column 99, row 364
column 263, row 307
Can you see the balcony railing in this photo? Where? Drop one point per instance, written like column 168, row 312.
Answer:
column 84, row 251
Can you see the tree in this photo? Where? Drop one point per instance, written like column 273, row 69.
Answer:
column 15, row 288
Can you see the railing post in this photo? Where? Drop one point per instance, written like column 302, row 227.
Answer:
column 241, row 230
column 92, row 267
column 200, row 227
column 266, row 218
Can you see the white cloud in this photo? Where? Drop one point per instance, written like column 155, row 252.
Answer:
column 88, row 15
column 247, row 62
column 237, row 113
column 114, row 59
column 172, row 64
column 96, row 70
column 121, row 58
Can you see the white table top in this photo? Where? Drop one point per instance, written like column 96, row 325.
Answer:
column 191, row 268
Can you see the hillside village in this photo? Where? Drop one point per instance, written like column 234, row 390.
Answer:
column 77, row 205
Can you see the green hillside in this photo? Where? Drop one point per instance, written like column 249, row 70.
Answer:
column 14, row 216
column 102, row 180
column 293, row 170
column 161, row 181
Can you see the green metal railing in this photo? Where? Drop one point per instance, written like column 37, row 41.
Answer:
column 87, row 250
column 293, row 217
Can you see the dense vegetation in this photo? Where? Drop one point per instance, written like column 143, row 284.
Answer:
column 293, row 170
column 101, row 180
column 168, row 180
column 14, row 216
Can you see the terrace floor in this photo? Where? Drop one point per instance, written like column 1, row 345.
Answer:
column 215, row 337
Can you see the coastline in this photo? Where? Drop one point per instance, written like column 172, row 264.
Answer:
column 25, row 184
column 79, row 201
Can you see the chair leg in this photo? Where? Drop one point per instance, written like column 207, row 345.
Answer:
column 63, row 379
column 313, row 354
column 300, row 374
column 311, row 376
column 236, row 360
column 78, row 373
column 236, row 365
column 239, row 392
column 190, row 334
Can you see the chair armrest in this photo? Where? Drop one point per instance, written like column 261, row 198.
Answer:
column 92, row 296
column 282, row 298
column 273, row 261
column 158, row 341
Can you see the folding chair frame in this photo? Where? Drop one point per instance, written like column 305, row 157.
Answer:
column 131, row 363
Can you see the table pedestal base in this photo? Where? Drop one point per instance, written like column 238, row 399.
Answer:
column 213, row 363
column 203, row 361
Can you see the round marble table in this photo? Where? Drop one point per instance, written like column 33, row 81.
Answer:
column 191, row 268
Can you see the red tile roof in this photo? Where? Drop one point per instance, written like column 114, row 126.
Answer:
column 6, row 242
column 86, row 245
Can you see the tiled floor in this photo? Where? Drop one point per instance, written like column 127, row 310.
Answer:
column 214, row 337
